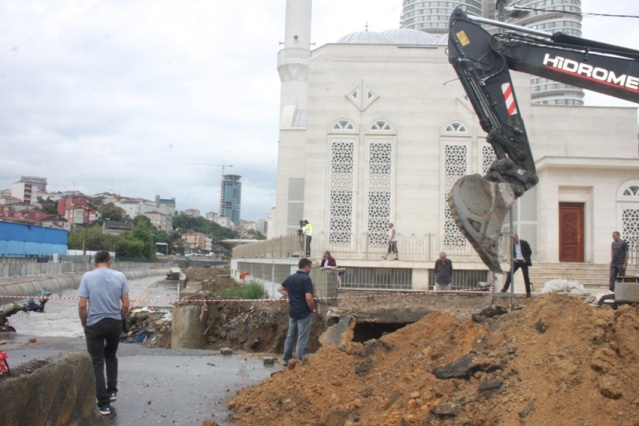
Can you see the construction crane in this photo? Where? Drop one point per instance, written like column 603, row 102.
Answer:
column 223, row 165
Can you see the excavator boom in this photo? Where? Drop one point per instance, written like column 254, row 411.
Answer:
column 483, row 62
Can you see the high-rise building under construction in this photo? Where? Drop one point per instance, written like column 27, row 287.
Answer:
column 231, row 197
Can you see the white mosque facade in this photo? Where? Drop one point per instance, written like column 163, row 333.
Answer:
column 376, row 128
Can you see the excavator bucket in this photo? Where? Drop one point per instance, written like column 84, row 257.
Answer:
column 479, row 207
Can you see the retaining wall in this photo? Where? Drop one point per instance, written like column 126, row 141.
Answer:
column 30, row 287
column 33, row 269
column 62, row 392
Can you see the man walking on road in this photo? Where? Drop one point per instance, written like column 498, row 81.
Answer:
column 104, row 304
column 298, row 288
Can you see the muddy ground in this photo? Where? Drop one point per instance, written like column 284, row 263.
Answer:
column 554, row 360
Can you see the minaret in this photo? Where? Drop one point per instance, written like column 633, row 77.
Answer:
column 292, row 61
column 292, row 66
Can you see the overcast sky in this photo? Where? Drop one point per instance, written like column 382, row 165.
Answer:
column 123, row 95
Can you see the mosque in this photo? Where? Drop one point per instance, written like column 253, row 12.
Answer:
column 376, row 128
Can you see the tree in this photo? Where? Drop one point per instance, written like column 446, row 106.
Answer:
column 111, row 212
column 96, row 239
column 184, row 223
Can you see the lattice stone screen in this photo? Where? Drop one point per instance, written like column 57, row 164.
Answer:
column 487, row 157
column 630, row 226
column 342, row 179
column 629, row 207
column 380, row 155
column 455, row 166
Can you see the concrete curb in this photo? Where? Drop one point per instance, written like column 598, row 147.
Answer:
column 62, row 392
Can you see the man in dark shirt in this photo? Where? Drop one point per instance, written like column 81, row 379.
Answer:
column 443, row 272
column 298, row 288
column 618, row 259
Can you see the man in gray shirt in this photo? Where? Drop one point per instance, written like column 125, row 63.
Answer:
column 618, row 259
column 104, row 304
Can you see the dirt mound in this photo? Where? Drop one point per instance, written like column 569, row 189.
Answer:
column 213, row 280
column 556, row 361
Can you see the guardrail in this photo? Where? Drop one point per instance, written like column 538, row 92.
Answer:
column 363, row 246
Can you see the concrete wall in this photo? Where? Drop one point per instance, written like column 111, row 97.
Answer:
column 32, row 269
column 12, row 288
column 62, row 392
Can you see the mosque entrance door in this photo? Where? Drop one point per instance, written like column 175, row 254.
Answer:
column 571, row 232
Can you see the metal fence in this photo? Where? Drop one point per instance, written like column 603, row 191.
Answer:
column 411, row 247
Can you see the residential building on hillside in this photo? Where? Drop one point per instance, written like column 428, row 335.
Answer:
column 211, row 216
column 164, row 205
column 76, row 211
column 161, row 221
column 224, row 221
column 192, row 212
column 197, row 240
column 26, row 189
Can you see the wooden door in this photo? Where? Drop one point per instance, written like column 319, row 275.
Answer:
column 571, row 232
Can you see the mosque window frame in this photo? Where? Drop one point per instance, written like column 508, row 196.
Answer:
column 455, row 128
column 628, row 191
column 381, row 127
column 628, row 212
column 343, row 125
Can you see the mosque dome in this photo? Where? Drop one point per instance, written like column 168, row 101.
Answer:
column 400, row 36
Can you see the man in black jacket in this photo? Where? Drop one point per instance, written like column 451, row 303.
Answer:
column 521, row 259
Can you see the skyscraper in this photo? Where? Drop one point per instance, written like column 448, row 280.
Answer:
column 558, row 15
column 561, row 15
column 231, row 198
column 432, row 16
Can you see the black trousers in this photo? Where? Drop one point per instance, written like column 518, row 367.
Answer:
column 308, row 245
column 103, row 339
column 524, row 270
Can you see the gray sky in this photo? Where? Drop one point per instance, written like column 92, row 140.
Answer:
column 123, row 95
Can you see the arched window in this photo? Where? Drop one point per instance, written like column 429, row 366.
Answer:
column 380, row 126
column 343, row 126
column 455, row 128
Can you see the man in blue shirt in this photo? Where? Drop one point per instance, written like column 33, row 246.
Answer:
column 104, row 303
column 298, row 288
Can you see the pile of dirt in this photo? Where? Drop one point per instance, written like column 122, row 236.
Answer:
column 213, row 280
column 556, row 361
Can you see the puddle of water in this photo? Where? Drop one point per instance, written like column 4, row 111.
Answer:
column 60, row 317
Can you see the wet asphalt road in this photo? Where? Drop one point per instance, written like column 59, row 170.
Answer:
column 156, row 386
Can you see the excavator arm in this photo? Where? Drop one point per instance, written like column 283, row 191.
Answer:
column 483, row 62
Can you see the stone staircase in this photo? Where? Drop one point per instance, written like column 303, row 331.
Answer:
column 591, row 276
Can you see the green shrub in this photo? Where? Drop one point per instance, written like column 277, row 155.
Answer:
column 252, row 290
